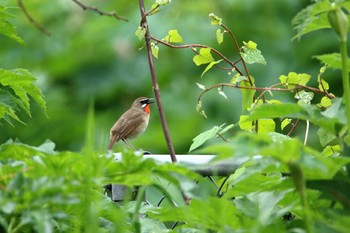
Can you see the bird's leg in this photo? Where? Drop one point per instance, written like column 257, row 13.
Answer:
column 128, row 144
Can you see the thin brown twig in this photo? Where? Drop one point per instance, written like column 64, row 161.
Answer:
column 232, row 64
column 32, row 20
column 98, row 11
column 155, row 85
column 239, row 53
column 264, row 89
column 293, row 127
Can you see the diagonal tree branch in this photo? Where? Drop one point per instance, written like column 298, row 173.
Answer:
column 32, row 20
column 155, row 83
column 98, row 11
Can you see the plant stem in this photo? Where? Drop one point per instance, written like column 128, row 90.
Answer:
column 155, row 85
column 345, row 77
column 136, row 214
column 299, row 181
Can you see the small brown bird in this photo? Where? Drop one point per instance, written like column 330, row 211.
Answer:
column 132, row 123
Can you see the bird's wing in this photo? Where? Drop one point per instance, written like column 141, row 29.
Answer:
column 124, row 127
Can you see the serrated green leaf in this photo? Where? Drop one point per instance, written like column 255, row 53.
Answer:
column 332, row 60
column 22, row 84
column 173, row 37
column 211, row 64
column 251, row 54
column 219, row 36
column 203, row 57
column 203, row 137
column 8, row 29
column 311, row 18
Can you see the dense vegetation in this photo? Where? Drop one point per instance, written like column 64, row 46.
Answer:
column 291, row 113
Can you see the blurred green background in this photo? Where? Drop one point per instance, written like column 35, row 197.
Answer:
column 91, row 57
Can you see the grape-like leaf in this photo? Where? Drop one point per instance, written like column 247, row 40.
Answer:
column 203, row 57
column 251, row 54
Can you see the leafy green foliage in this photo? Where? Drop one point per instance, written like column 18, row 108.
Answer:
column 251, row 54
column 6, row 28
column 203, row 57
column 16, row 87
column 282, row 184
column 173, row 37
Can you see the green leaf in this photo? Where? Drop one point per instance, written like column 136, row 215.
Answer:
column 222, row 93
column 203, row 137
column 173, row 37
column 293, row 78
column 311, row 18
column 325, row 102
column 332, row 60
column 215, row 20
column 21, row 82
column 230, row 126
column 247, row 96
column 6, row 28
column 155, row 50
column 140, row 33
column 251, row 54
column 216, row 211
column 325, row 137
column 163, row 2
column 326, row 120
column 285, row 123
column 266, row 126
column 201, row 86
column 203, row 57
column 304, row 97
column 245, row 124
column 262, row 206
column 219, row 36
column 211, row 64
column 200, row 109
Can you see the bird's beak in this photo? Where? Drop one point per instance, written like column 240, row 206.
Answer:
column 151, row 100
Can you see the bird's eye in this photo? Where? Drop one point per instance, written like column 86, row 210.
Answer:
column 144, row 102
